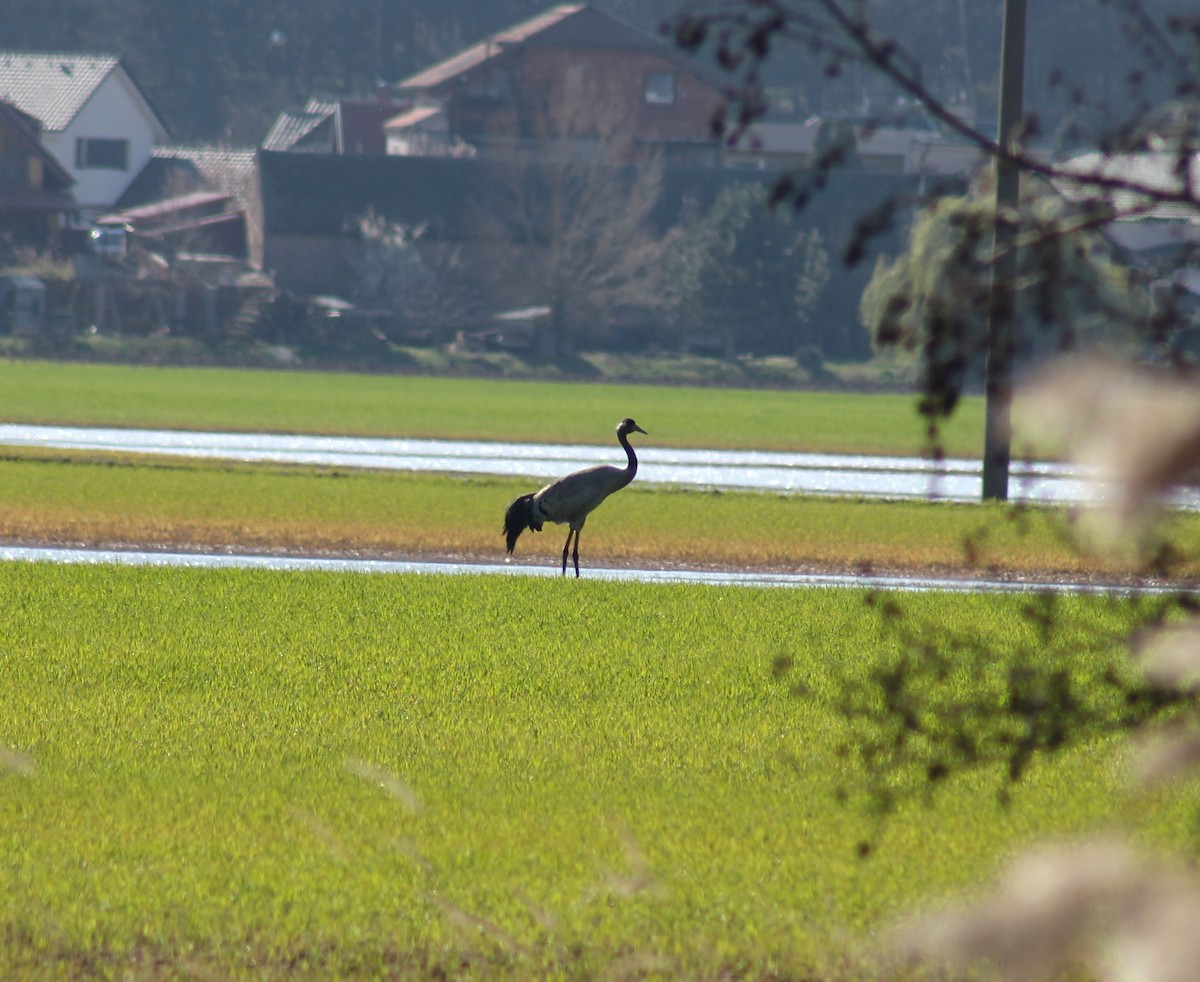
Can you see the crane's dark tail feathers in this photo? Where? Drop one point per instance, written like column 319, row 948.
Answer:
column 518, row 518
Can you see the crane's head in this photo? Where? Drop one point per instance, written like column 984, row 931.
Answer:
column 627, row 426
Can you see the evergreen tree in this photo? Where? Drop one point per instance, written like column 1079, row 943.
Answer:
column 760, row 275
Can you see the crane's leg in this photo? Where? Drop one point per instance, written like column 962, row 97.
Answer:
column 576, row 554
column 567, row 547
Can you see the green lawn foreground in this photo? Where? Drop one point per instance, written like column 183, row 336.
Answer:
column 471, row 408
column 254, row 774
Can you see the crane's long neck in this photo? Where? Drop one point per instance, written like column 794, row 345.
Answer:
column 630, row 468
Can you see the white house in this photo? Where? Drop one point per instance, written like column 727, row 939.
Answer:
column 95, row 120
column 1140, row 225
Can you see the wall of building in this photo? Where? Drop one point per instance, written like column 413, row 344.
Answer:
column 538, row 92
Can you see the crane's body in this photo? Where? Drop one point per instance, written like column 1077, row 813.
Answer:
column 569, row 500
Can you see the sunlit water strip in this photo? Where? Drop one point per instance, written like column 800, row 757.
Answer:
column 801, row 473
column 121, row 557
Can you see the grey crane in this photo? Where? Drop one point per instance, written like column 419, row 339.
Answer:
column 570, row 499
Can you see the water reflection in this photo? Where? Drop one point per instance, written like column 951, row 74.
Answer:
column 392, row 567
column 806, row 473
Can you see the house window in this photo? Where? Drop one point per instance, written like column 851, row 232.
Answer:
column 95, row 153
column 660, row 88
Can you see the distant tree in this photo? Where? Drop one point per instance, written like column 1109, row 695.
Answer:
column 422, row 284
column 389, row 267
column 684, row 261
column 570, row 223
column 935, row 298
column 751, row 276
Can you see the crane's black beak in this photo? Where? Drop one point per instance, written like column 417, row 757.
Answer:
column 638, row 429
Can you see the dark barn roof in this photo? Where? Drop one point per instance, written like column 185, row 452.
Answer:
column 323, row 195
column 834, row 208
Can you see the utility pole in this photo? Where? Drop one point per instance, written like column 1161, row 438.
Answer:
column 998, row 387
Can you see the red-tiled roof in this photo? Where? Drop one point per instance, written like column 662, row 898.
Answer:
column 487, row 49
column 411, row 117
column 158, row 210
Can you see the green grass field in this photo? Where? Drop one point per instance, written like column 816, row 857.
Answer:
column 476, row 409
column 103, row 499
column 248, row 774
column 112, row 500
column 251, row 774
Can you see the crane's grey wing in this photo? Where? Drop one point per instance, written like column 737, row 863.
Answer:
column 572, row 498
